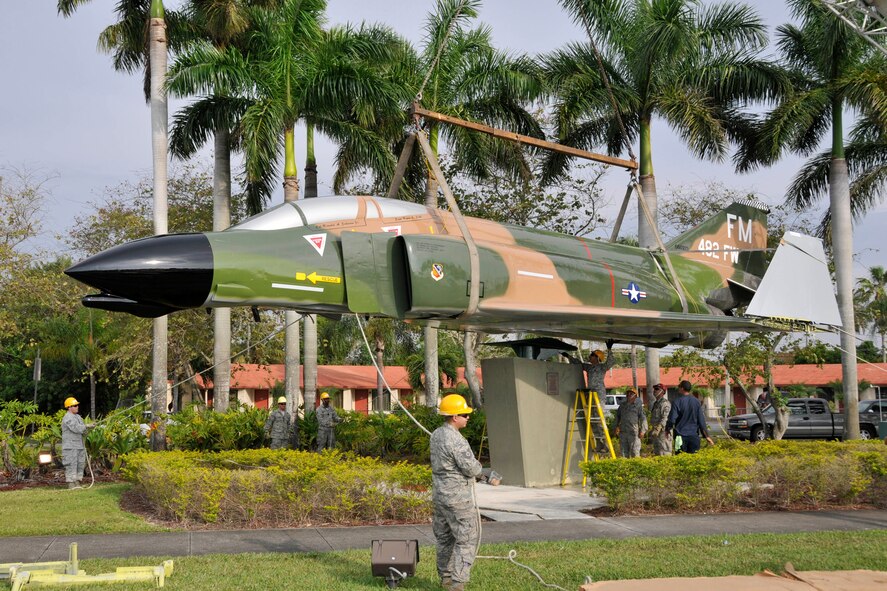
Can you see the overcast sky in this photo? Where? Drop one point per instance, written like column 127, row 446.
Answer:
column 65, row 112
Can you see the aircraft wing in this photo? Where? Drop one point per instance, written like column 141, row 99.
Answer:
column 601, row 323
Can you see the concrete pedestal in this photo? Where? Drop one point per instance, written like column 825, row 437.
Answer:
column 528, row 405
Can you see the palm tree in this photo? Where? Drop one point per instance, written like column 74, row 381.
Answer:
column 159, row 137
column 86, row 339
column 139, row 40
column 467, row 77
column 127, row 39
column 831, row 68
column 688, row 63
column 309, row 336
column 870, row 297
column 221, row 22
column 290, row 68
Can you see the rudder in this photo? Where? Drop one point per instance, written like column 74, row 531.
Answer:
column 732, row 242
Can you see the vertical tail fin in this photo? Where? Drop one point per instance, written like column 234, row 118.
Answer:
column 732, row 242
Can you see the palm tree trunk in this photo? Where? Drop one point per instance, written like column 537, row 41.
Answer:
column 432, row 369
column 91, row 392
column 634, row 367
column 470, row 343
column 221, row 316
column 380, row 386
column 310, row 163
column 159, row 142
column 291, row 339
column 647, row 234
column 309, row 324
column 842, row 248
column 883, row 349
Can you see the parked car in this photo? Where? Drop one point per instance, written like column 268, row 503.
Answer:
column 809, row 418
column 874, row 409
column 612, row 402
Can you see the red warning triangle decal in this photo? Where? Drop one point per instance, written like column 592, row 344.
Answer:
column 318, row 241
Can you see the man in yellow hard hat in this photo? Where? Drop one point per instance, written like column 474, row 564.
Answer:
column 73, row 449
column 596, row 368
column 278, row 425
column 327, row 419
column 456, row 521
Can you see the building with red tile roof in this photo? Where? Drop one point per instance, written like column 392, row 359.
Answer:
column 353, row 385
column 822, row 377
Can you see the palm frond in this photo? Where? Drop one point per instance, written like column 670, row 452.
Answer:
column 193, row 125
column 730, row 27
column 695, row 118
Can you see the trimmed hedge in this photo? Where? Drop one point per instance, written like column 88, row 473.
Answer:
column 735, row 474
column 279, row 487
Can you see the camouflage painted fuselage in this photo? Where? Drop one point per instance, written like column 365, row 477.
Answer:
column 379, row 256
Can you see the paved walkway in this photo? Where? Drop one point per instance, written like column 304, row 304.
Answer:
column 522, row 515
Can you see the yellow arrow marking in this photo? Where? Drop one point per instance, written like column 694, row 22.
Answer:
column 313, row 277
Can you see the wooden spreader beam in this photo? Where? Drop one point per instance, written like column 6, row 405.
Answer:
column 416, row 110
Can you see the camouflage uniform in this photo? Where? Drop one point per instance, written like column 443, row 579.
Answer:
column 658, row 434
column 73, row 450
column 326, row 427
column 278, row 427
column 632, row 421
column 456, row 522
column 596, row 373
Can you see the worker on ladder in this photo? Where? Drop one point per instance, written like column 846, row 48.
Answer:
column 596, row 368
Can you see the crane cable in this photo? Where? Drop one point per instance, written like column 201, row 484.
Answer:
column 511, row 553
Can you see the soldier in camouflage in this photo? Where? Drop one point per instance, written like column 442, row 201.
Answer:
column 327, row 419
column 631, row 424
column 278, row 425
column 73, row 449
column 456, row 521
column 596, row 369
column 660, row 437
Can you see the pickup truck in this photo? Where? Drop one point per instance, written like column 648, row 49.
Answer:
column 809, row 418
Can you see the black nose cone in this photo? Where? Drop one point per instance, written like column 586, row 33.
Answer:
column 175, row 270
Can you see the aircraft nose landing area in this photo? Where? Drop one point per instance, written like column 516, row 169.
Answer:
column 515, row 503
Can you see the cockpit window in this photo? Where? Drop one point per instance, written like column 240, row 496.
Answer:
column 285, row 215
column 318, row 210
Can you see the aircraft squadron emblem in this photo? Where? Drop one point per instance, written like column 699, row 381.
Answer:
column 437, row 271
column 318, row 241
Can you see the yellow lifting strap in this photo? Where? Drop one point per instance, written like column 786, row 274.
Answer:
column 590, row 423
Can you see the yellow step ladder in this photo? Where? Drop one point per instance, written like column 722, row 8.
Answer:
column 588, row 418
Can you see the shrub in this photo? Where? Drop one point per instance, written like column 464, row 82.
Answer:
column 201, row 429
column 736, row 474
column 279, row 487
column 385, row 435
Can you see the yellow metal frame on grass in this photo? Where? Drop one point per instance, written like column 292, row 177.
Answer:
column 44, row 574
column 71, row 566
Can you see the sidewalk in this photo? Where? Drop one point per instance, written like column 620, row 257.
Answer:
column 521, row 514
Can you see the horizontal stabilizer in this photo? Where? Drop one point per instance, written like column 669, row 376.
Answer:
column 797, row 285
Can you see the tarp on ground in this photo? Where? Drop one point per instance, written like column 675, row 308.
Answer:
column 848, row 580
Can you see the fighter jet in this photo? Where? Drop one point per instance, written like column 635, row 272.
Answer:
column 383, row 257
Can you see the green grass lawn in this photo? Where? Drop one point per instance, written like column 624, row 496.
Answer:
column 45, row 511
column 562, row 563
